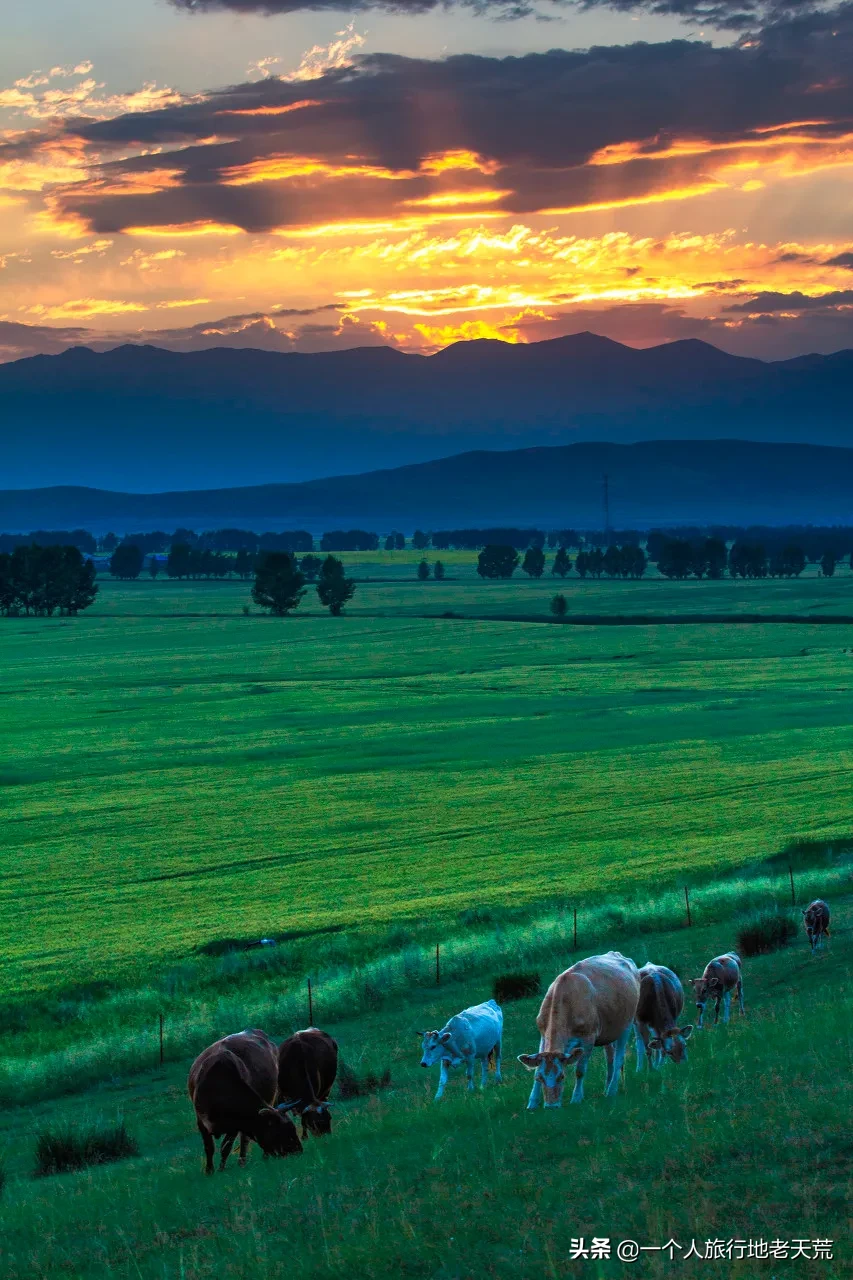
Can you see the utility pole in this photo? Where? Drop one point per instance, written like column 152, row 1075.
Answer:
column 607, row 508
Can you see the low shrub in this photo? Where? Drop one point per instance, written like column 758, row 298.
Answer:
column 516, row 986
column 766, row 932
column 352, row 1085
column 67, row 1150
column 476, row 915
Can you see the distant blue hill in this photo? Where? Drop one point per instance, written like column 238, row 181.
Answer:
column 144, row 419
column 650, row 483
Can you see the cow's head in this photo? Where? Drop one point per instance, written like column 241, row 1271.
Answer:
column 550, row 1069
column 705, row 989
column 276, row 1133
column 436, row 1045
column 317, row 1119
column 673, row 1043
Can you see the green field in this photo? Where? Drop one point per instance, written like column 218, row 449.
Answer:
column 175, row 773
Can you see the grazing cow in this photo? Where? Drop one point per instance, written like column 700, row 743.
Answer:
column 722, row 976
column 232, row 1086
column 307, row 1067
column 592, row 1003
column 656, row 1023
column 816, row 920
column 472, row 1035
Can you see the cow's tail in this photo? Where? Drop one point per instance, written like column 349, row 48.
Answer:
column 492, row 1058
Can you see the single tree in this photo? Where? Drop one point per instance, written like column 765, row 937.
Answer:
column 390, row 542
column 126, row 561
column 562, row 563
column 244, row 563
column 534, row 562
column 179, row 561
column 497, row 561
column 559, row 606
column 676, row 558
column 279, row 586
column 109, row 542
column 423, row 571
column 827, row 563
column 595, row 562
column 612, row 563
column 399, row 542
column 153, row 566
column 420, row 540
column 715, row 556
column 438, row 571
column 634, row 561
column 582, row 563
column 334, row 588
column 748, row 560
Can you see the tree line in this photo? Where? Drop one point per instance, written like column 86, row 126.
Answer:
column 280, row 583
column 678, row 558
column 45, row 580
column 501, row 561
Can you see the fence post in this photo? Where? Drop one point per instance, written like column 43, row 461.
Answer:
column 437, row 966
column 793, row 894
column 310, row 1006
column 161, row 1039
column 575, row 927
column 687, row 905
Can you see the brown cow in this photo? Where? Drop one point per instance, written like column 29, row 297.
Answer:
column 660, row 1007
column 592, row 1003
column 232, row 1086
column 307, row 1067
column 816, row 920
column 722, row 976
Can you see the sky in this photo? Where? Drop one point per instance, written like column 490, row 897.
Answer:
column 261, row 173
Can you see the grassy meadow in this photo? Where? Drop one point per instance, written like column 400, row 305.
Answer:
column 175, row 773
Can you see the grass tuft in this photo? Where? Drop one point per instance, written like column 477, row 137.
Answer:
column 66, row 1150
column 352, row 1085
column 516, row 986
column 766, row 932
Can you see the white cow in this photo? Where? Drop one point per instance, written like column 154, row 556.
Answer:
column 472, row 1035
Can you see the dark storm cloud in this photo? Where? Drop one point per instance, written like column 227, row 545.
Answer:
column 538, row 119
column 769, row 302
column 841, row 260
column 724, row 14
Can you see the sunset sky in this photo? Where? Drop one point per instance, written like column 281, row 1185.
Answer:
column 259, row 173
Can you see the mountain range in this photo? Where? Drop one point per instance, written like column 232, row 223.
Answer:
column 140, row 418
column 651, row 483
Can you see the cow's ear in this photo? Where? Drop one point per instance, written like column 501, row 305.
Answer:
column 530, row 1060
column 686, row 1032
column 576, row 1053
column 445, row 1037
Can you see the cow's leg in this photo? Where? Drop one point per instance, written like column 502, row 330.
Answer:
column 497, row 1051
column 469, row 1073
column 727, row 1005
column 244, row 1147
column 611, row 1067
column 225, row 1149
column 442, row 1080
column 717, row 1010
column 209, row 1147
column 617, row 1053
column 740, row 995
column 700, row 1019
column 641, row 1037
column 484, row 1071
column 535, row 1095
column 580, row 1072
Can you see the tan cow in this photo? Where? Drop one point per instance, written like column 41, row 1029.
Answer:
column 722, row 976
column 661, row 1004
column 592, row 1003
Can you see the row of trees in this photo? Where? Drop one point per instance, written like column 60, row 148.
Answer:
column 710, row 558
column 497, row 561
column 280, row 584
column 45, row 580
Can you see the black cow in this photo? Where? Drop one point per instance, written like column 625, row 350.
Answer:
column 307, row 1067
column 232, row 1086
column 816, row 920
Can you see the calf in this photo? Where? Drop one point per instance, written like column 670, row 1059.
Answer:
column 816, row 920
column 473, row 1035
column 659, row 1008
column 722, row 976
column 592, row 1003
column 232, row 1086
column 307, row 1067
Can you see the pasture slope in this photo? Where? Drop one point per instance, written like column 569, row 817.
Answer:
column 174, row 774
column 750, row 1140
